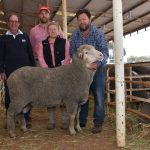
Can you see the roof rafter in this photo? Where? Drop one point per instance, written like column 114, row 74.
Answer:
column 128, row 32
column 133, row 20
column 132, row 8
column 101, row 13
column 79, row 9
column 139, row 28
column 54, row 13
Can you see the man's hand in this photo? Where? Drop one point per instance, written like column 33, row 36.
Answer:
column 2, row 76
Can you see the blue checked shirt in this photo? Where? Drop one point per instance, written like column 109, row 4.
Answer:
column 95, row 38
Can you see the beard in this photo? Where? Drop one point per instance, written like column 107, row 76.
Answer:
column 44, row 20
column 84, row 27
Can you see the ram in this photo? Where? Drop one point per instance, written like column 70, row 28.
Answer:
column 68, row 84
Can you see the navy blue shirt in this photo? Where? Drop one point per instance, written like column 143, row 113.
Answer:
column 15, row 53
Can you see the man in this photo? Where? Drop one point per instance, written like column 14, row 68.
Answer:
column 37, row 35
column 39, row 32
column 89, row 34
column 15, row 52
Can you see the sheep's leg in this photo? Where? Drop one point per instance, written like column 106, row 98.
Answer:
column 22, row 122
column 51, row 116
column 77, row 120
column 65, row 117
column 72, row 110
column 11, row 124
column 71, row 124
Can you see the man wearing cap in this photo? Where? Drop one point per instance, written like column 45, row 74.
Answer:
column 39, row 32
column 37, row 35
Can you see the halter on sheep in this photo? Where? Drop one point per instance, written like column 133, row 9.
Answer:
column 68, row 84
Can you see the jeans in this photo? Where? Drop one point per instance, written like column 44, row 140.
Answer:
column 97, row 88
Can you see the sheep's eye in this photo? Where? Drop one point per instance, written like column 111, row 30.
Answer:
column 86, row 52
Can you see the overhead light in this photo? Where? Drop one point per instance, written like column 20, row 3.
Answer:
column 2, row 13
column 69, row 33
column 3, row 22
column 3, row 29
column 69, row 14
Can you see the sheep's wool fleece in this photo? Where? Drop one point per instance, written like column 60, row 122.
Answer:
column 48, row 87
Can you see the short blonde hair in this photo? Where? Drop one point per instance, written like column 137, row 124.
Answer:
column 53, row 23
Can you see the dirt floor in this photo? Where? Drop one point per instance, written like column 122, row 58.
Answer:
column 39, row 138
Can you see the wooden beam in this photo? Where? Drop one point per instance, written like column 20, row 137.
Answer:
column 54, row 13
column 64, row 17
column 130, row 9
column 133, row 111
column 77, row 11
column 101, row 13
column 48, row 3
column 133, row 20
column 138, row 28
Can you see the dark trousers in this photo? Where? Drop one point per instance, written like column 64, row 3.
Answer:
column 97, row 88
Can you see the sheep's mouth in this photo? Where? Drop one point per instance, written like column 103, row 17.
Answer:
column 89, row 66
column 100, row 59
column 92, row 69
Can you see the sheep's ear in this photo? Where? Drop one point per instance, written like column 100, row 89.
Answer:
column 80, row 55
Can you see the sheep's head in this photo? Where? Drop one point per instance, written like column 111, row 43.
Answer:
column 89, row 54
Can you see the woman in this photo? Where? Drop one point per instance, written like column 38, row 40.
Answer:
column 51, row 53
column 54, row 50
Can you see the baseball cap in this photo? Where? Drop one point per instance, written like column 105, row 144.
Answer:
column 44, row 8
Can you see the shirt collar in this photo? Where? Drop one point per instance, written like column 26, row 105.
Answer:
column 42, row 26
column 9, row 33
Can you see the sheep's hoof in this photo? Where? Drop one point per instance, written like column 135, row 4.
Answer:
column 24, row 129
column 78, row 128
column 12, row 134
column 72, row 132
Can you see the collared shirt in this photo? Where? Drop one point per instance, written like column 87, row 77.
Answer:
column 95, row 37
column 14, row 35
column 15, row 52
column 37, row 35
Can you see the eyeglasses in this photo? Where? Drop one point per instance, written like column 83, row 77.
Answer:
column 13, row 21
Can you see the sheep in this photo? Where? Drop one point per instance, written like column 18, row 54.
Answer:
column 67, row 84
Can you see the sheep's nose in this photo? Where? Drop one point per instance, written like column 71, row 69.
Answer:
column 101, row 55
